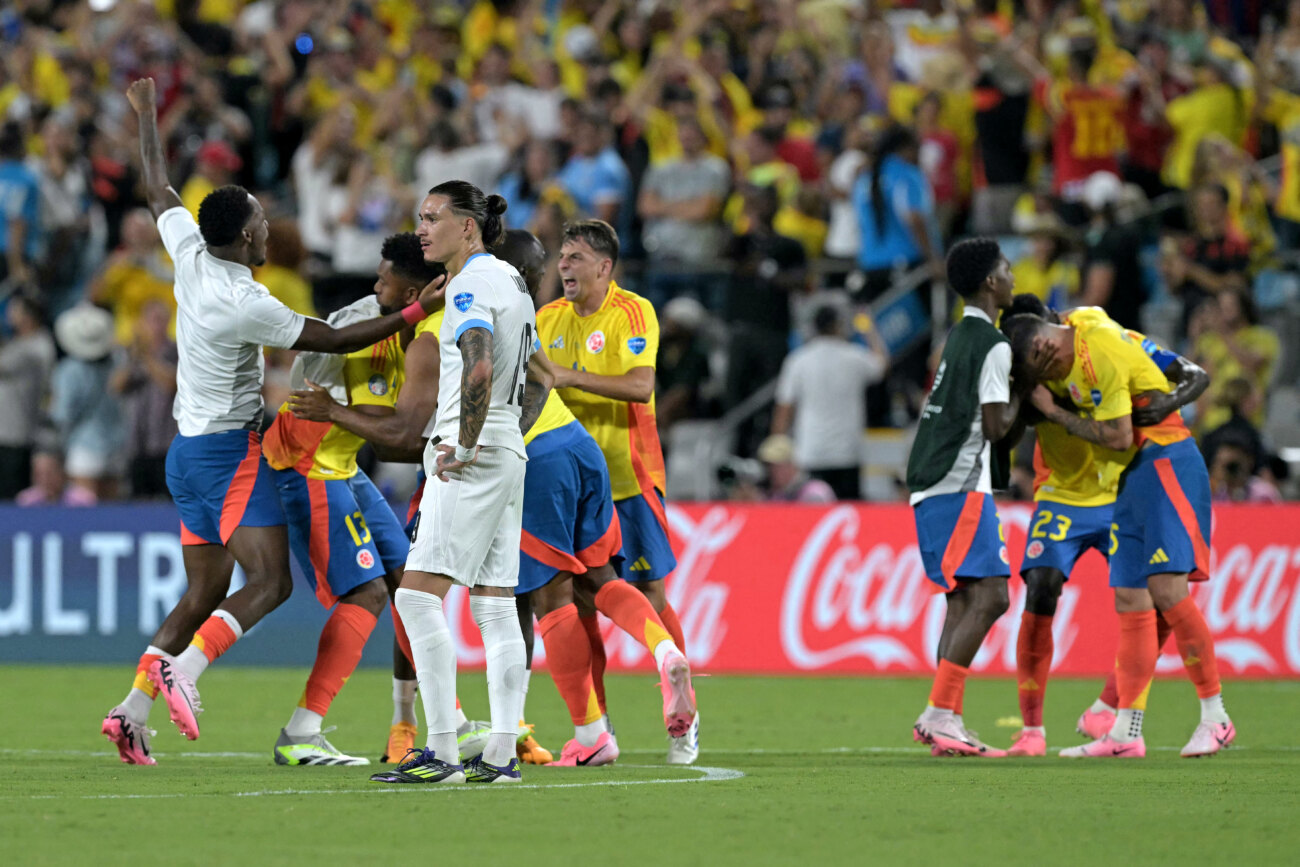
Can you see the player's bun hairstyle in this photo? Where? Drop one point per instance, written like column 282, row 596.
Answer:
column 1027, row 302
column 598, row 234
column 970, row 262
column 1020, row 331
column 223, row 214
column 403, row 250
column 468, row 200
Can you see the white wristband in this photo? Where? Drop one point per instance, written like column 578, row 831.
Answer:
column 466, row 455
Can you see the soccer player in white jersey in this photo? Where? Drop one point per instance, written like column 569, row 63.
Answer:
column 469, row 522
column 229, row 508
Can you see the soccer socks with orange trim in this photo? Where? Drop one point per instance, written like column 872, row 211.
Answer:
column 597, row 644
column 217, row 634
column 1033, row 664
column 435, row 667
column 139, row 701
column 633, row 613
column 569, row 655
column 1135, row 665
column 337, row 654
column 1109, row 698
column 503, row 648
column 674, row 626
column 1196, row 647
column 946, row 694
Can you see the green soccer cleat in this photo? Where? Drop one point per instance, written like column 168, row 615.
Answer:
column 312, row 750
column 421, row 766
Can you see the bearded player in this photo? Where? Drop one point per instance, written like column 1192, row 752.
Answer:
column 603, row 341
column 1162, row 514
column 1074, row 488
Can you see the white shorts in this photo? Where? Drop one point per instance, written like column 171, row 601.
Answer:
column 468, row 528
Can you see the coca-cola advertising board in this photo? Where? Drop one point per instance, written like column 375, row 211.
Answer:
column 840, row 589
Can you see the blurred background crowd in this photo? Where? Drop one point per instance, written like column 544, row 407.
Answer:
column 785, row 177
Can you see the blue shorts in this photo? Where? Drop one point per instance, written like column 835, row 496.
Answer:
column 960, row 537
column 569, row 520
column 342, row 532
column 1163, row 516
column 1060, row 534
column 413, row 510
column 220, row 482
column 647, row 554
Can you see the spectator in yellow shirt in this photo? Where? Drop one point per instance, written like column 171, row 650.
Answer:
column 135, row 275
column 1229, row 343
column 282, row 273
column 214, row 166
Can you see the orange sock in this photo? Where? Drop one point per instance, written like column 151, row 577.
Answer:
column 961, row 699
column 337, row 655
column 949, row 682
column 674, row 626
column 214, row 637
column 1135, row 659
column 1195, row 646
column 399, row 632
column 142, row 681
column 568, row 653
column 597, row 645
column 632, row 613
column 1033, row 664
column 1109, row 691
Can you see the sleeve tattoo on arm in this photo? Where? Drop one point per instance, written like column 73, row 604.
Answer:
column 475, row 383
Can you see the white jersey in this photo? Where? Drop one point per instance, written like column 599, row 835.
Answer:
column 224, row 317
column 488, row 293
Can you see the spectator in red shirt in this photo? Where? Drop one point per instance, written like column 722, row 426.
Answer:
column 778, row 104
column 938, row 158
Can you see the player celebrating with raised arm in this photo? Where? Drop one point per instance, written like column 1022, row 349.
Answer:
column 1162, row 514
column 341, row 529
column 951, row 476
column 223, row 488
column 1074, row 488
column 603, row 340
column 472, row 509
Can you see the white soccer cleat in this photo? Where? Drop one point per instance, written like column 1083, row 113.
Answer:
column 312, row 750
column 472, row 738
column 948, row 737
column 1209, row 738
column 685, row 749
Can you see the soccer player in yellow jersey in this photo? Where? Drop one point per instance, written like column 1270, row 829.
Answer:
column 1075, row 483
column 1162, row 512
column 341, row 530
column 603, row 341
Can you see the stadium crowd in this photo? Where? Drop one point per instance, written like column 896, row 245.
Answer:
column 783, row 176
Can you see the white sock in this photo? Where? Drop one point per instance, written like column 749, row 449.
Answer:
column 1128, row 725
column 588, row 734
column 303, row 723
column 1039, row 729
column 937, row 714
column 137, row 705
column 503, row 647
column 193, row 661
column 1100, row 706
column 604, row 720
column 663, row 650
column 1213, row 711
column 461, row 719
column 404, row 701
column 435, row 667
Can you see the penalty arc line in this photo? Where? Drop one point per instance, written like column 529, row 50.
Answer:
column 709, row 775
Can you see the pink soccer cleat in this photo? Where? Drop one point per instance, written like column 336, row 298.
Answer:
column 1107, row 748
column 1208, row 739
column 131, row 739
column 1095, row 724
column 181, row 695
column 947, row 738
column 575, row 755
column 679, row 695
column 1029, row 743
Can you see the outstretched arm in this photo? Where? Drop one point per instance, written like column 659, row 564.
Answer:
column 158, row 191
column 399, row 436
column 318, row 336
column 635, row 386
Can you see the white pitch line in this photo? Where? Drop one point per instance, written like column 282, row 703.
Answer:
column 710, row 775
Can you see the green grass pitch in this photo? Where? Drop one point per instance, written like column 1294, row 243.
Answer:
column 793, row 771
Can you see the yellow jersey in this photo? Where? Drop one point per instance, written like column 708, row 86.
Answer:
column 319, row 450
column 620, row 336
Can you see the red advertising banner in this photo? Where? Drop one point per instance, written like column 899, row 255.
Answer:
column 840, row 589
